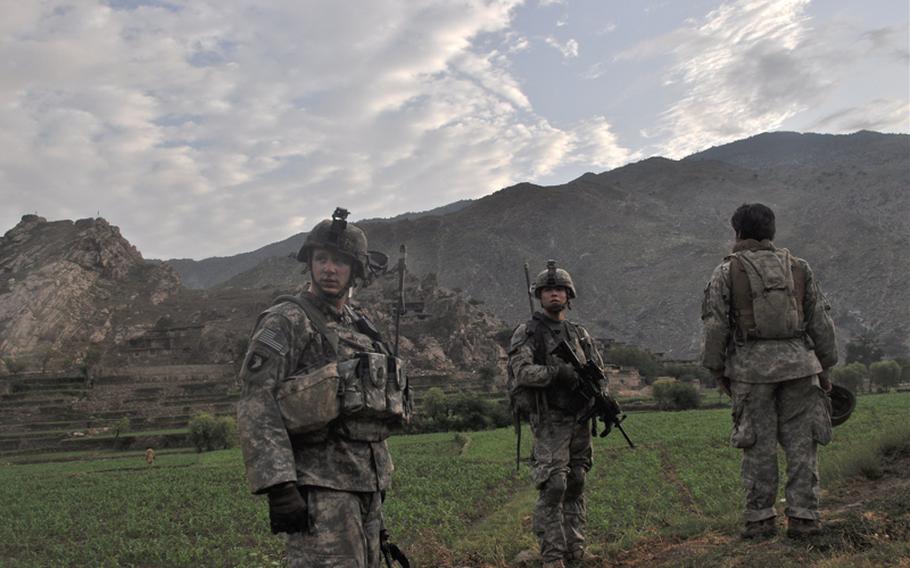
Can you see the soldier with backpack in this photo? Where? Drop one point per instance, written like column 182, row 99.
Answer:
column 543, row 388
column 321, row 392
column 769, row 341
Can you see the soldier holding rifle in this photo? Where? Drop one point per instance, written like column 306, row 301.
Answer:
column 545, row 388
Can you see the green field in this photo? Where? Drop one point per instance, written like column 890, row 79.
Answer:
column 456, row 498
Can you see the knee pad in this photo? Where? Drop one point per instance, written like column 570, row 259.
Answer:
column 555, row 487
column 575, row 483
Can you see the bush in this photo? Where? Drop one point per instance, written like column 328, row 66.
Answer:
column 464, row 411
column 851, row 376
column 688, row 372
column 645, row 361
column 885, row 374
column 209, row 433
column 674, row 395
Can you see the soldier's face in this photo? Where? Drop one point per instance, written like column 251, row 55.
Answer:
column 553, row 299
column 331, row 271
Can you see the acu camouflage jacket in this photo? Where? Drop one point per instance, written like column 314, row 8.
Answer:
column 283, row 343
column 765, row 360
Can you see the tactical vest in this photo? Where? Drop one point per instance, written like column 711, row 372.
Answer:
column 768, row 288
column 359, row 398
column 526, row 400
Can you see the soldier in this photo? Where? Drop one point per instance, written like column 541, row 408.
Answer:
column 321, row 393
column 769, row 341
column 542, row 387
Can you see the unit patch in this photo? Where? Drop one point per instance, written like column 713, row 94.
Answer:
column 256, row 362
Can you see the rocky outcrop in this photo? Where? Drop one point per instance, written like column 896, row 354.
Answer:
column 64, row 284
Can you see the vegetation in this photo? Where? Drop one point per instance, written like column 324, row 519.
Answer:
column 670, row 394
column 208, row 433
column 885, row 374
column 439, row 412
column 851, row 376
column 647, row 363
column 456, row 500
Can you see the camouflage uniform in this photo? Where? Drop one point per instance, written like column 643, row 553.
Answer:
column 340, row 478
column 775, row 390
column 562, row 447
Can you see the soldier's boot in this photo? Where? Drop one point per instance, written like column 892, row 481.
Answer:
column 553, row 564
column 580, row 557
column 759, row 529
column 803, row 528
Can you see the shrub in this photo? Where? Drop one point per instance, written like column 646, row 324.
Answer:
column 885, row 374
column 121, row 426
column 464, row 411
column 209, row 433
column 674, row 395
column 645, row 361
column 849, row 376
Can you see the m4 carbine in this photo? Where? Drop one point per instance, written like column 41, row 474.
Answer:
column 591, row 385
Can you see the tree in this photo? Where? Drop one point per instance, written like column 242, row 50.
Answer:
column 850, row 376
column 121, row 426
column 645, row 361
column 885, row 374
column 865, row 349
column 674, row 395
column 208, row 432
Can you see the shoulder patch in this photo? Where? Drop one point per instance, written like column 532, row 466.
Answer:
column 272, row 339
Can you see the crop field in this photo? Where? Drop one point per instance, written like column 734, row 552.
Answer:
column 456, row 499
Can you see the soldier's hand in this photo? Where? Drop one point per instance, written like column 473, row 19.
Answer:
column 287, row 509
column 824, row 381
column 566, row 375
column 723, row 383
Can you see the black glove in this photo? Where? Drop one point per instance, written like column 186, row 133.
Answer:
column 566, row 375
column 287, row 509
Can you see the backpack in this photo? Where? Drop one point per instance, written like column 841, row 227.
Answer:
column 767, row 300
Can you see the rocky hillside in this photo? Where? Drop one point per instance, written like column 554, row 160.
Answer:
column 64, row 286
column 69, row 289
column 641, row 240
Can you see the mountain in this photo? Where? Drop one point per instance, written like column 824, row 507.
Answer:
column 641, row 240
column 65, row 286
column 216, row 270
column 79, row 294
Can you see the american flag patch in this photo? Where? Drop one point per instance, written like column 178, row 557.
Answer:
column 272, row 340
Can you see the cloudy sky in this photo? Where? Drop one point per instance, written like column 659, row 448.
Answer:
column 212, row 127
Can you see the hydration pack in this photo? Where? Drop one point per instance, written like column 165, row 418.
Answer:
column 768, row 289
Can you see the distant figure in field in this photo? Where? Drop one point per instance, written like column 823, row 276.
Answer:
column 321, row 393
column 543, row 388
column 150, row 456
column 769, row 342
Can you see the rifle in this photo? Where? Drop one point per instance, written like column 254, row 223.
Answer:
column 390, row 552
column 591, row 386
column 400, row 309
column 516, row 417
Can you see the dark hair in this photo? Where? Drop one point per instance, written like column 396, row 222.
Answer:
column 753, row 221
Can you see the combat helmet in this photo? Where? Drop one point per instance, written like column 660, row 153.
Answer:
column 337, row 235
column 552, row 277
column 842, row 404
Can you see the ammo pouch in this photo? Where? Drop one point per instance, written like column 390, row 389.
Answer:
column 309, row 401
column 374, row 387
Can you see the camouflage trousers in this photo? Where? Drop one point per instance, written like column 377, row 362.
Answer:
column 561, row 458
column 344, row 531
column 794, row 413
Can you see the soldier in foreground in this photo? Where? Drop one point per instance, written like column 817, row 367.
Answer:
column 321, row 393
column 544, row 388
column 769, row 341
